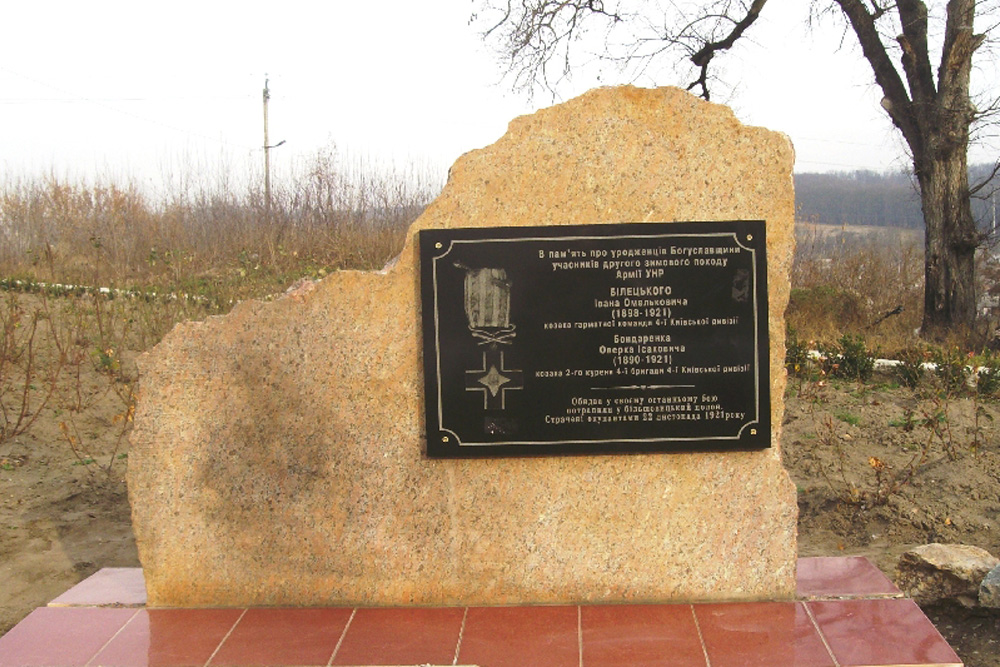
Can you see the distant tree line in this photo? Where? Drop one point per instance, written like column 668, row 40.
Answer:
column 887, row 199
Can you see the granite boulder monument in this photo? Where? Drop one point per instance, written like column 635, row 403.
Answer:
column 280, row 456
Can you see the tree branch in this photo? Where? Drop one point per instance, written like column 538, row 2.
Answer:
column 536, row 33
column 959, row 45
column 955, row 110
column 703, row 57
column 974, row 190
column 916, row 58
column 880, row 9
column 897, row 100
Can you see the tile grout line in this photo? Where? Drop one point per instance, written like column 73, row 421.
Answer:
column 579, row 632
column 822, row 637
column 112, row 638
column 461, row 633
column 701, row 638
column 223, row 640
column 343, row 634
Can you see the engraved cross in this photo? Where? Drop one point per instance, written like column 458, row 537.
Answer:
column 494, row 380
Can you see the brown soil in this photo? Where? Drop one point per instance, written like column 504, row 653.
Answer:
column 63, row 515
column 840, row 437
column 61, row 520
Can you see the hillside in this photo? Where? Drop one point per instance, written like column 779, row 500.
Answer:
column 886, row 199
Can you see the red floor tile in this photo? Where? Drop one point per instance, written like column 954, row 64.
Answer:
column 521, row 637
column 284, row 637
column 169, row 637
column 887, row 630
column 398, row 636
column 61, row 636
column 852, row 576
column 761, row 633
column 640, row 635
column 881, row 632
column 108, row 586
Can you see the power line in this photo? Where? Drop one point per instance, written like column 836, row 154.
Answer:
column 833, row 141
column 98, row 103
column 76, row 100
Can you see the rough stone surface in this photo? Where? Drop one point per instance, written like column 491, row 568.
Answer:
column 935, row 572
column 277, row 456
column 989, row 590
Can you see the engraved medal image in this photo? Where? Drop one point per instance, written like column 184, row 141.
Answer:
column 487, row 310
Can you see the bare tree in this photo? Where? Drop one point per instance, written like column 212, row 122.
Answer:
column 933, row 112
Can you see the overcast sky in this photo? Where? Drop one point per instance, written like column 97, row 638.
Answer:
column 146, row 90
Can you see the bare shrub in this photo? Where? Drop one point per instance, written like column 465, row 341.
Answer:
column 28, row 379
column 200, row 237
column 858, row 281
column 92, row 273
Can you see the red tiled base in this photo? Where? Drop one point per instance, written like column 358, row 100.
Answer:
column 398, row 636
column 284, row 637
column 640, row 635
column 877, row 630
column 761, row 633
column 60, row 636
column 881, row 632
column 842, row 577
column 119, row 586
column 517, row 636
column 169, row 637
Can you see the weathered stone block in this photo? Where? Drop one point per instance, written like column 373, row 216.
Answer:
column 278, row 452
column 989, row 589
column 935, row 572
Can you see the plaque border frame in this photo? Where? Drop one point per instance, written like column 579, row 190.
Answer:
column 447, row 444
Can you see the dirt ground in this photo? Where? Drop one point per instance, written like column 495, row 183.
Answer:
column 63, row 515
column 844, row 444
column 61, row 520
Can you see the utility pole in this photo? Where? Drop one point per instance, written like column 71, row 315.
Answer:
column 994, row 199
column 267, row 153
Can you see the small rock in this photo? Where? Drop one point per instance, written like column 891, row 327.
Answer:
column 989, row 590
column 936, row 572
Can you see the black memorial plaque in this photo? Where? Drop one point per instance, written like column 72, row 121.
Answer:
column 595, row 338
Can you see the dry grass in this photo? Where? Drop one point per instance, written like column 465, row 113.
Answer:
column 192, row 254
column 206, row 239
column 848, row 280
